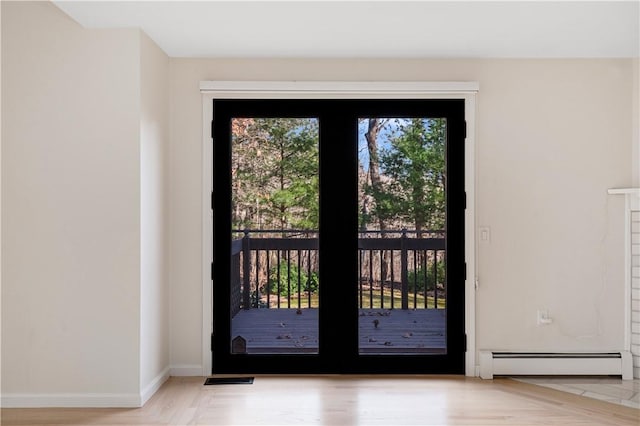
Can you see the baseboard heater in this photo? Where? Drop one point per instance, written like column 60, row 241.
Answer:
column 497, row 363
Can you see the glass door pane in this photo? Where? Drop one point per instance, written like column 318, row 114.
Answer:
column 402, row 286
column 274, row 235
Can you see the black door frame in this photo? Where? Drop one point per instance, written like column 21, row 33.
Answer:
column 338, row 236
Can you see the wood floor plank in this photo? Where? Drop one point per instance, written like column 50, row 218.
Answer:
column 346, row 400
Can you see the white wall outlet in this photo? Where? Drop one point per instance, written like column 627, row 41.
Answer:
column 543, row 317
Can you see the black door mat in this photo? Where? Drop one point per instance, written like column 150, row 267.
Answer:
column 229, row 381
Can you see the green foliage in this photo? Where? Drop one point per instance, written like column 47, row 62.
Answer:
column 414, row 166
column 275, row 173
column 275, row 182
column 289, row 280
column 416, row 279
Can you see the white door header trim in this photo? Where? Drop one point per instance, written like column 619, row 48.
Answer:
column 333, row 89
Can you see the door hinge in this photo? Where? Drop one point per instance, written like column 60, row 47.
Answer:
column 465, row 271
column 211, row 271
column 211, row 200
column 465, row 342
column 212, row 129
column 465, row 200
column 465, row 129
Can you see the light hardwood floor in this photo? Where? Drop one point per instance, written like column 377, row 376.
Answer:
column 346, row 400
column 610, row 389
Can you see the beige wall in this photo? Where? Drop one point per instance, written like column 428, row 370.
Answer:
column 71, row 218
column 154, row 206
column 84, row 170
column 552, row 137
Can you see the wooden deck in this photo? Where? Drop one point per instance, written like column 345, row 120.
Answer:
column 398, row 331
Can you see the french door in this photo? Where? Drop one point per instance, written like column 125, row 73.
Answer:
column 338, row 236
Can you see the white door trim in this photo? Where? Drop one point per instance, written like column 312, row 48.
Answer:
column 631, row 202
column 211, row 90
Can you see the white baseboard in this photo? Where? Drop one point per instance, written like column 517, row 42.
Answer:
column 186, row 370
column 71, row 400
column 84, row 400
column 153, row 387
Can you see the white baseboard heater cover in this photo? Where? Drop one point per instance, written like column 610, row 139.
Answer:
column 497, row 363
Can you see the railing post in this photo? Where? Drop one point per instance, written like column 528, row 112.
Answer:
column 435, row 279
column 235, row 284
column 404, row 273
column 246, row 271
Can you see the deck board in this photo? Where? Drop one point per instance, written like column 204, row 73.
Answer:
column 398, row 331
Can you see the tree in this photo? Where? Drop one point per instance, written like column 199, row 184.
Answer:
column 376, row 187
column 415, row 165
column 275, row 173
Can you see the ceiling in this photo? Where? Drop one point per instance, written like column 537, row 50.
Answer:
column 374, row 29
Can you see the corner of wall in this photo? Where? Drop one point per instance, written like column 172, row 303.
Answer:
column 154, row 236
column 155, row 384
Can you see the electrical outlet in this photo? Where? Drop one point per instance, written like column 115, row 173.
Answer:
column 543, row 317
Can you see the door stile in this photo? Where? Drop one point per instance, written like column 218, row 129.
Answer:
column 338, row 239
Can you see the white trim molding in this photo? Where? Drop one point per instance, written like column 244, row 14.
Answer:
column 85, row 400
column 466, row 90
column 71, row 400
column 207, row 237
column 153, row 386
column 631, row 202
column 187, row 371
column 629, row 192
column 334, row 89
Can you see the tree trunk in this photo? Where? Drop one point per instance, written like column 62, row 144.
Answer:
column 282, row 206
column 374, row 174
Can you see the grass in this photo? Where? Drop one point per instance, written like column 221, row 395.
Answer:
column 397, row 301
column 367, row 302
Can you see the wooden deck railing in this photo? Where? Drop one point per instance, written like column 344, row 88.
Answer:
column 279, row 269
